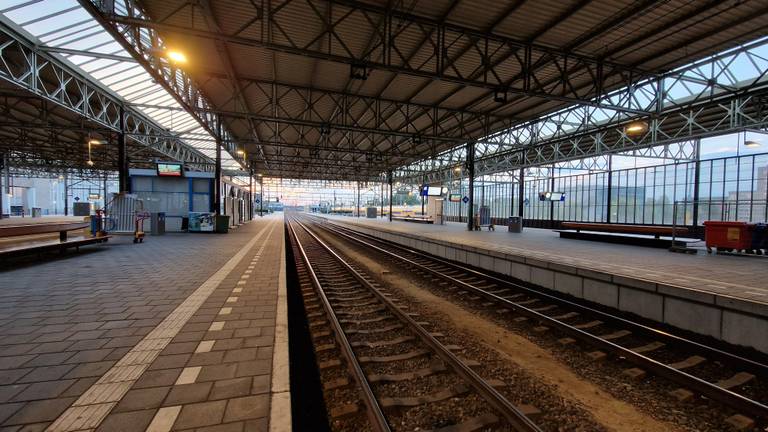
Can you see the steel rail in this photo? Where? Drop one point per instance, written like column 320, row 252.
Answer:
column 511, row 413
column 711, row 352
column 373, row 410
column 712, row 391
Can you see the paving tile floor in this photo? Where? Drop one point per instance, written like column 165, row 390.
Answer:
column 741, row 277
column 68, row 325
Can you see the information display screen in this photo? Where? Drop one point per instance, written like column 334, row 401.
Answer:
column 435, row 191
column 454, row 197
column 170, row 169
column 551, row 196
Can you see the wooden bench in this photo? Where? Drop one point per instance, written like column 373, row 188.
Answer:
column 638, row 234
column 415, row 219
column 656, row 231
column 39, row 246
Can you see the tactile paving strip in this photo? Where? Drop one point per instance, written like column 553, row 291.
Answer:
column 90, row 409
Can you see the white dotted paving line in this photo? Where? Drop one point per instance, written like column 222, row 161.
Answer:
column 188, row 375
column 205, row 346
column 164, row 419
column 90, row 409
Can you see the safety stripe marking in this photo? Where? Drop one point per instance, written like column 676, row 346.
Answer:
column 90, row 409
column 188, row 375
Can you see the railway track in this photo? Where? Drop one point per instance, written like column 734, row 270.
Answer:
column 698, row 369
column 377, row 361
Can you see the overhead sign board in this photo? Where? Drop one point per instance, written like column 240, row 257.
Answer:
column 454, row 197
column 170, row 169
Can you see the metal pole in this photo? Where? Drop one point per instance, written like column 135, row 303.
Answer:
column 389, row 180
column 250, row 194
column 217, row 174
column 123, row 178
column 552, row 203
column 512, row 196
column 358, row 199
column 423, row 185
column 66, row 196
column 471, row 178
column 521, row 194
column 261, row 200
column 610, row 187
column 382, row 199
column 3, row 181
column 696, row 180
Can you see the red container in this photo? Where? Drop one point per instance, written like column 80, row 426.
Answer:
column 728, row 235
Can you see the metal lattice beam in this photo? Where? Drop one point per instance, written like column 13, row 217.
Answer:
column 45, row 77
column 492, row 62
column 145, row 47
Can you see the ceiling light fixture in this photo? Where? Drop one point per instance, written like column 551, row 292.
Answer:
column 176, row 56
column 636, row 128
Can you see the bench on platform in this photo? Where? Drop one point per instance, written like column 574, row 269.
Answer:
column 415, row 219
column 640, row 235
column 39, row 246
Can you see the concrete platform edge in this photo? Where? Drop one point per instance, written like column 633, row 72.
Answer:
column 733, row 320
column 280, row 404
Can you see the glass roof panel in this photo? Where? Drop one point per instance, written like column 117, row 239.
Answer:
column 65, row 26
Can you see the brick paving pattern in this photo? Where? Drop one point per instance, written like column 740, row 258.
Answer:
column 741, row 277
column 65, row 324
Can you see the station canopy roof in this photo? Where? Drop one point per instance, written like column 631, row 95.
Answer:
column 349, row 89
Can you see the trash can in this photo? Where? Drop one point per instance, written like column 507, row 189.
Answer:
column 371, row 212
column 222, row 224
column 157, row 223
column 515, row 224
column 760, row 238
column 37, row 212
column 728, row 235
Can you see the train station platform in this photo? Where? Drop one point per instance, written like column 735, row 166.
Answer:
column 182, row 332
column 725, row 297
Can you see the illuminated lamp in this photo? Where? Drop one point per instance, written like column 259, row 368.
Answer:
column 176, row 56
column 636, row 128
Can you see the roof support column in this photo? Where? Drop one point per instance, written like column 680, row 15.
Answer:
column 250, row 194
column 3, row 183
column 382, row 199
column 123, row 178
column 609, row 190
column 217, row 174
column 389, row 180
column 471, row 178
column 696, row 180
column 521, row 194
column 66, row 194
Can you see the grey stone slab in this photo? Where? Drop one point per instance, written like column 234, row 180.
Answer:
column 686, row 293
column 543, row 277
column 692, row 316
column 569, row 284
column 601, row 292
column 745, row 330
column 646, row 304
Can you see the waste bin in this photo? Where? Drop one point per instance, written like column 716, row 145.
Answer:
column 760, row 237
column 515, row 224
column 728, row 235
column 371, row 212
column 222, row 224
column 37, row 212
column 157, row 223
